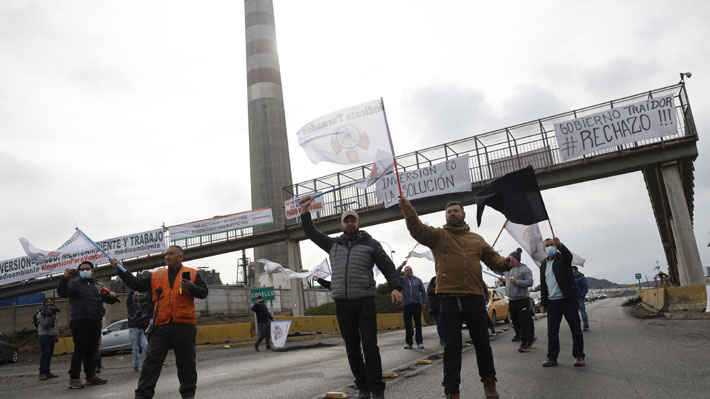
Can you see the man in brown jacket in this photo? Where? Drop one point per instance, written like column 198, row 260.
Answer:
column 458, row 253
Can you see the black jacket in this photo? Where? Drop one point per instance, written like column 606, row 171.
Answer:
column 85, row 298
column 262, row 313
column 352, row 262
column 562, row 267
column 433, row 298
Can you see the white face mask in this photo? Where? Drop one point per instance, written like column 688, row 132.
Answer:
column 551, row 251
column 85, row 274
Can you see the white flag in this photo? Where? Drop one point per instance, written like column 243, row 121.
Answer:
column 530, row 239
column 279, row 332
column 75, row 244
column 351, row 136
column 322, row 270
column 427, row 255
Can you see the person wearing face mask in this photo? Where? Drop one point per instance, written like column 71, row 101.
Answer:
column 353, row 287
column 559, row 298
column 86, row 298
column 582, row 288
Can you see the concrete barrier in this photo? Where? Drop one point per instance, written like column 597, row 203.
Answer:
column 240, row 332
column 654, row 298
column 673, row 299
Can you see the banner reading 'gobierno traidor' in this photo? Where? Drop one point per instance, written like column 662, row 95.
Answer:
column 221, row 224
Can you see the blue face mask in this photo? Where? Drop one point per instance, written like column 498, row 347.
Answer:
column 85, row 274
column 551, row 251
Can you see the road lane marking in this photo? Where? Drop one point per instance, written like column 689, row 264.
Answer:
column 214, row 375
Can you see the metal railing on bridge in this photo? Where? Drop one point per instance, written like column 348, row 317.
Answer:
column 492, row 154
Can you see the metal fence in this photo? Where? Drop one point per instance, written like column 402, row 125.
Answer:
column 491, row 154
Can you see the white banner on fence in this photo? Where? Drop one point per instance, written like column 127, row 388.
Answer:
column 292, row 207
column 221, row 224
column 75, row 250
column 643, row 120
column 451, row 176
column 279, row 332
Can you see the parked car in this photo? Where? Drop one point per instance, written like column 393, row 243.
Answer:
column 115, row 338
column 497, row 306
column 536, row 298
column 8, row 350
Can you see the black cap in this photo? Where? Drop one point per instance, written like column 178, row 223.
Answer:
column 516, row 254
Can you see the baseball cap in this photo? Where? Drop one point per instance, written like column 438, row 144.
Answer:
column 347, row 213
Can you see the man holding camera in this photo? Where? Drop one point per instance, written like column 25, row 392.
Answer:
column 174, row 321
column 86, row 298
column 47, row 330
column 140, row 309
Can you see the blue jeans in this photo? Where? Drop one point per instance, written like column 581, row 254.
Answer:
column 583, row 312
column 570, row 310
column 438, row 327
column 137, row 337
column 46, row 345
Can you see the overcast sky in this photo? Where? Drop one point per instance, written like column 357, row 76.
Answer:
column 118, row 117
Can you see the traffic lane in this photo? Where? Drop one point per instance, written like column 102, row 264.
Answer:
column 301, row 373
column 622, row 361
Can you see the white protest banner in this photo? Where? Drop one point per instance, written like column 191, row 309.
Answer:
column 279, row 332
column 76, row 250
column 19, row 269
column 221, row 224
column 450, row 176
column 292, row 207
column 643, row 120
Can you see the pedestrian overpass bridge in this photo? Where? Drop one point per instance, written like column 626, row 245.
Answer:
column 666, row 164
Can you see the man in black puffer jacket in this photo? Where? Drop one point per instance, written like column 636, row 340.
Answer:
column 352, row 256
column 86, row 298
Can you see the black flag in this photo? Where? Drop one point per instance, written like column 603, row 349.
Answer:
column 516, row 195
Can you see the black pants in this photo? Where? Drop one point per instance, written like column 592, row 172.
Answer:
column 46, row 349
column 570, row 310
column 264, row 333
column 358, row 323
column 454, row 311
column 181, row 339
column 410, row 311
column 520, row 313
column 85, row 334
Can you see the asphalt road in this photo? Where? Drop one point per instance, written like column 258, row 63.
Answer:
column 626, row 357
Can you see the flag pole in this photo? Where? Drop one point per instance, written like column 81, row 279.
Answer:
column 409, row 255
column 394, row 159
column 100, row 249
column 499, row 233
column 553, row 231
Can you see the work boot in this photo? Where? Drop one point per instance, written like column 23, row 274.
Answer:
column 75, row 384
column 51, row 375
column 489, row 388
column 42, row 376
column 549, row 363
column 579, row 362
column 95, row 380
column 453, row 396
column 364, row 394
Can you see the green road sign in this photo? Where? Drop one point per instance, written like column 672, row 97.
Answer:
column 267, row 292
column 638, row 276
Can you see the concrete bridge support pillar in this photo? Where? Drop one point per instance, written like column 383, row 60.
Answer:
column 690, row 269
column 294, row 261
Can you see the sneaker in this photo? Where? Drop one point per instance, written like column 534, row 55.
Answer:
column 363, row 394
column 51, row 375
column 586, row 328
column 489, row 387
column 515, row 339
column 75, row 384
column 268, row 346
column 420, row 346
column 42, row 376
column 95, row 380
column 407, row 346
column 549, row 363
column 453, row 396
column 579, row 362
column 523, row 348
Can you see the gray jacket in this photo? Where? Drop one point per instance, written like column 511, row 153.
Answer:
column 47, row 325
column 523, row 281
column 351, row 262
